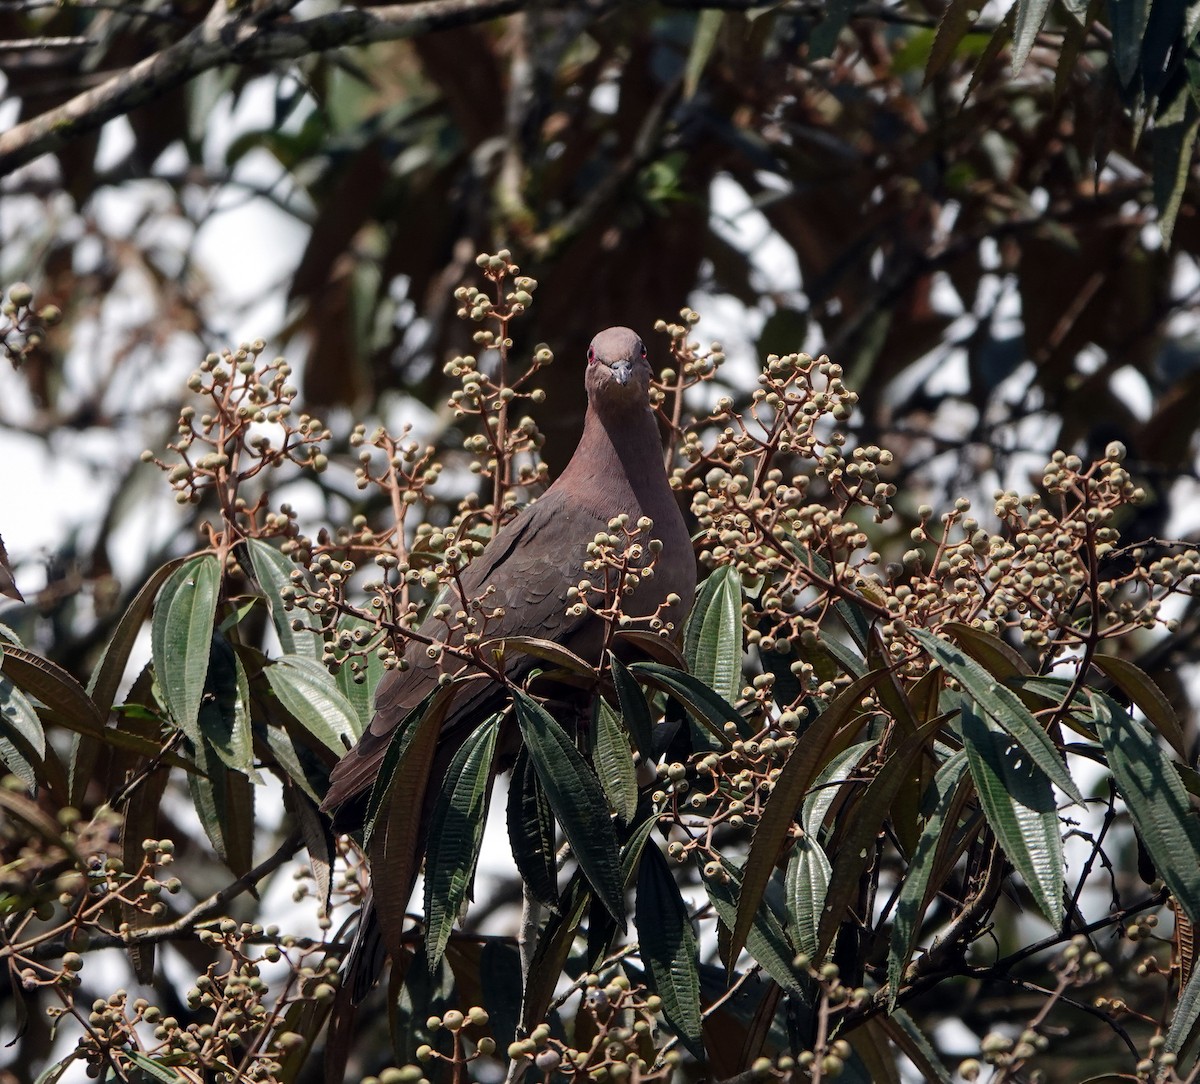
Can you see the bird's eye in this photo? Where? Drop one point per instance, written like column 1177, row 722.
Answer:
column 643, row 353
column 591, row 355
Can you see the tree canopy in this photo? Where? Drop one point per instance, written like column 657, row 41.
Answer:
column 915, row 787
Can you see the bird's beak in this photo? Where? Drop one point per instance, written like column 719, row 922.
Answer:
column 622, row 370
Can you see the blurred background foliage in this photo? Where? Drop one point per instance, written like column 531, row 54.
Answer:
column 988, row 217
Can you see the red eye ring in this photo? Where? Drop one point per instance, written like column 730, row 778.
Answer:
column 591, row 355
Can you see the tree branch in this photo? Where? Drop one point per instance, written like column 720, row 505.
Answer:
column 221, row 39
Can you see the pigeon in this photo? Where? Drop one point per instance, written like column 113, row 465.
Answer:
column 523, row 580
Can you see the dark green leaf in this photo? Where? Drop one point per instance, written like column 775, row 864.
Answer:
column 1018, row 801
column 577, row 799
column 857, row 847
column 181, row 634
column 712, row 641
column 531, row 832
column 1030, row 16
column 956, row 20
column 1183, row 1022
column 910, row 907
column 311, row 696
column 668, row 948
column 1141, row 689
column 634, row 710
column 708, row 24
column 1002, row 706
column 1157, row 801
column 455, row 836
column 360, row 694
column 273, row 571
column 709, row 709
column 106, row 677
column 613, row 759
column 806, row 883
column 22, row 741
column 766, row 941
column 775, row 825
column 551, row 952
column 224, row 717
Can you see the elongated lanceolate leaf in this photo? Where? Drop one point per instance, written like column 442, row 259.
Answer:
column 577, row 799
column 766, row 941
column 1000, row 704
column 634, row 709
column 1018, row 802
column 273, row 571
column 806, row 884
column 106, row 678
column 1183, row 1023
column 613, row 759
column 455, row 836
column 181, row 633
column 668, row 947
column 775, row 825
column 53, row 686
column 311, row 695
column 1030, row 16
column 1157, row 800
column 704, row 705
column 712, row 642
column 531, row 832
column 1141, row 689
column 22, row 742
column 911, row 903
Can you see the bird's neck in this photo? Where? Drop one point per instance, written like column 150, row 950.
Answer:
column 619, row 460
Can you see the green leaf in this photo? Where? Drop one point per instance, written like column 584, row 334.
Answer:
column 1183, row 1022
column 1128, row 19
column 577, row 800
column 1157, row 801
column 53, row 686
column 1174, row 147
column 224, row 717
column 712, row 641
column 806, row 884
column 1141, row 689
column 392, row 831
column 551, row 952
column 708, row 24
column 1003, row 707
column 903, row 1031
column 869, row 814
column 180, row 636
column 1018, row 802
column 531, row 832
column 910, row 907
column 707, row 707
column 22, row 740
column 775, row 825
column 825, row 788
column 613, row 759
column 765, row 941
column 634, row 709
column 155, row 1069
column 455, row 836
column 224, row 802
column 360, row 694
column 310, row 694
column 273, row 571
column 106, row 677
column 956, row 20
column 668, row 948
column 1030, row 16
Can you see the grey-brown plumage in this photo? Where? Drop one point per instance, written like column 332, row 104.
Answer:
column 528, row 567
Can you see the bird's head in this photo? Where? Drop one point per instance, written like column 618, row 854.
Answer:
column 617, row 370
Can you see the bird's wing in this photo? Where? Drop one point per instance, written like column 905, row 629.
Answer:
column 525, row 572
